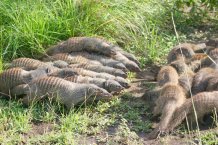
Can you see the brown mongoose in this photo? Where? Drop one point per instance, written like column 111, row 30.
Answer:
column 212, row 42
column 64, row 91
column 202, row 103
column 185, row 81
column 109, row 85
column 97, row 68
column 167, row 74
column 201, row 78
column 102, row 59
column 16, row 76
column 76, row 44
column 130, row 65
column 171, row 97
column 70, row 59
column 93, row 74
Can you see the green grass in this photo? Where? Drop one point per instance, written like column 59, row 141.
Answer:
column 142, row 27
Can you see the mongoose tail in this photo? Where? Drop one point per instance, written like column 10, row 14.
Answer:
column 168, row 111
column 76, row 44
column 167, row 74
column 204, row 103
column 64, row 91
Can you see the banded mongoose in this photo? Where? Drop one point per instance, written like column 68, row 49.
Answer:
column 171, row 97
column 201, row 78
column 70, row 59
column 16, row 76
column 102, row 59
column 31, row 64
column 52, row 70
column 167, row 74
column 64, row 91
column 109, row 85
column 185, row 81
column 202, row 104
column 93, row 74
column 97, row 68
column 130, row 65
column 185, row 49
column 76, row 44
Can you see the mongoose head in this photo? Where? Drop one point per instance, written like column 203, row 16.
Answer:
column 99, row 93
column 63, row 73
column 132, row 66
column 120, row 73
column 113, row 86
column 122, row 82
column 29, row 76
column 60, row 64
column 121, row 66
column 180, row 66
column 100, row 45
column 56, row 48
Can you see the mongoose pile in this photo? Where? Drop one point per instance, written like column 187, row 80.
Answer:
column 187, row 86
column 73, row 71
